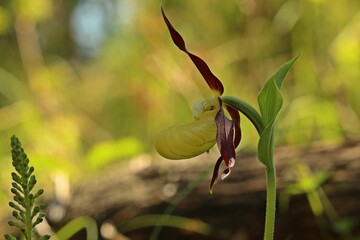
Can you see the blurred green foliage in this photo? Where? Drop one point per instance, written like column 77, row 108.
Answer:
column 81, row 79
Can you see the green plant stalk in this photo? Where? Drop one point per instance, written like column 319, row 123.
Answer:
column 270, row 193
column 76, row 225
column 247, row 110
column 270, row 203
column 257, row 121
column 28, row 220
column 173, row 221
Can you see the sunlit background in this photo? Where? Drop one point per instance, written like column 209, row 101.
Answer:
column 88, row 83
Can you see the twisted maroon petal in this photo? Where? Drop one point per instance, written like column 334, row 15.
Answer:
column 213, row 82
column 215, row 174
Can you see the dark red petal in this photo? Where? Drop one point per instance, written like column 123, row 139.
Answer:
column 225, row 138
column 213, row 82
column 215, row 174
column 236, row 118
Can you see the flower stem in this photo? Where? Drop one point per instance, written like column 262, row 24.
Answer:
column 247, row 110
column 270, row 203
column 28, row 224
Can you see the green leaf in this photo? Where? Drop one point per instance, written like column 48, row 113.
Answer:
column 265, row 146
column 279, row 76
column 39, row 193
column 76, row 225
column 17, row 187
column 269, row 98
column 35, row 212
column 9, row 237
column 14, row 224
column 151, row 220
column 15, row 206
column 45, row 237
column 270, row 102
column 39, row 219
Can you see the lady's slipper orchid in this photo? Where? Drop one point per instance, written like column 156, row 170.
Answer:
column 210, row 126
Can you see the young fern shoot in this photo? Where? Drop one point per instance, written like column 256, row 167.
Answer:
column 26, row 212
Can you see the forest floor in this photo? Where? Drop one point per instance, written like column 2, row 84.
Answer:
column 318, row 196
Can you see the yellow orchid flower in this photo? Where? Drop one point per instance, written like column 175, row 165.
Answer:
column 210, row 126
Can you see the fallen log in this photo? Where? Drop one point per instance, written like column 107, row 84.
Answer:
column 146, row 186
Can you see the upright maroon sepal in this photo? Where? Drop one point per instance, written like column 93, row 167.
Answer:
column 213, row 82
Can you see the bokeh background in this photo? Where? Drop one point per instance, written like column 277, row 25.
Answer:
column 86, row 84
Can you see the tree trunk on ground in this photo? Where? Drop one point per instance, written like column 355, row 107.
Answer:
column 236, row 210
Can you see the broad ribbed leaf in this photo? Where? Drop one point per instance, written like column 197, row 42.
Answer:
column 270, row 99
column 279, row 76
column 270, row 102
column 265, row 145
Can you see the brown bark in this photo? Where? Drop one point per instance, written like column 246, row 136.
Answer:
column 236, row 209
